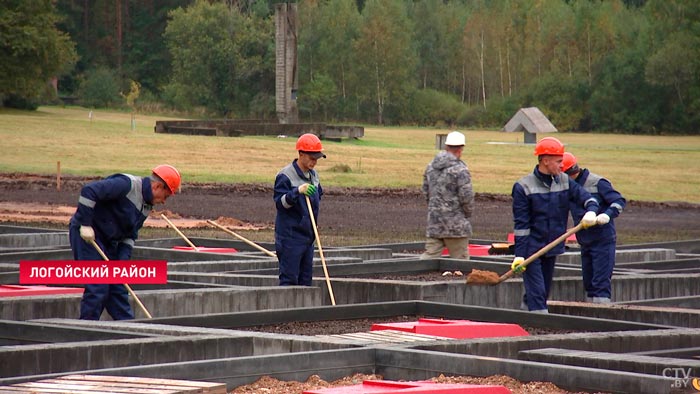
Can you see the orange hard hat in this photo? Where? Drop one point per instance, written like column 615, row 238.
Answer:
column 309, row 143
column 549, row 146
column 568, row 162
column 170, row 175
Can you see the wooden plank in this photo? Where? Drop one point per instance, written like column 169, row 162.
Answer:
column 96, row 384
column 204, row 387
column 386, row 336
column 363, row 337
column 173, row 382
column 79, row 387
column 120, row 386
column 127, row 387
column 395, row 337
column 409, row 336
column 349, row 338
column 37, row 390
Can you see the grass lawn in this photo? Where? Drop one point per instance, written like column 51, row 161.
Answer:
column 649, row 168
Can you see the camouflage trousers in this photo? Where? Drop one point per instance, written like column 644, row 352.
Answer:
column 458, row 248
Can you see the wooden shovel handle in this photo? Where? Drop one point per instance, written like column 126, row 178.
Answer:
column 171, row 224
column 320, row 249
column 251, row 243
column 128, row 288
column 544, row 250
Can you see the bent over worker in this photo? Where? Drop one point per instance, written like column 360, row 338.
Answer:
column 540, row 212
column 598, row 242
column 110, row 213
column 447, row 185
column 294, row 233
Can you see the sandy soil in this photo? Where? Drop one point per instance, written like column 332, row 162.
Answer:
column 268, row 385
column 387, row 215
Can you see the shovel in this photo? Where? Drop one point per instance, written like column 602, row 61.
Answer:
column 249, row 242
column 183, row 236
column 320, row 250
column 492, row 278
column 128, row 288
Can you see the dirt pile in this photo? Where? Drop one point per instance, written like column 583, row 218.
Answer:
column 268, row 385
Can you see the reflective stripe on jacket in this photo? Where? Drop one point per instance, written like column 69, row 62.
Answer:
column 293, row 220
column 541, row 209
column 115, row 207
column 611, row 203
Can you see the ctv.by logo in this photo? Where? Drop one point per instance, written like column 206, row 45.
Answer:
column 681, row 378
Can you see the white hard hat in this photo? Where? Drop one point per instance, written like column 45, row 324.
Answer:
column 455, row 138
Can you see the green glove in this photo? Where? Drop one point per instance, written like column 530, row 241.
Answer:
column 307, row 189
column 517, row 266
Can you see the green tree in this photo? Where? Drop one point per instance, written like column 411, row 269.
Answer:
column 146, row 57
column 674, row 61
column 221, row 58
column 319, row 94
column 32, row 49
column 432, row 108
column 674, row 64
column 388, row 57
column 340, row 30
column 596, row 32
column 125, row 35
column 475, row 41
column 429, row 35
column 100, row 88
column 453, row 67
column 310, row 35
column 326, row 32
column 622, row 100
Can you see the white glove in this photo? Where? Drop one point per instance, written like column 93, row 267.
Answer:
column 589, row 219
column 87, row 233
column 602, row 219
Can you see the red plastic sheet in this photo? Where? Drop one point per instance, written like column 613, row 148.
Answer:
column 455, row 328
column 391, row 387
column 18, row 290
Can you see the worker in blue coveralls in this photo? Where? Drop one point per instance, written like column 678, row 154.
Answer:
column 110, row 213
column 294, row 232
column 541, row 202
column 598, row 242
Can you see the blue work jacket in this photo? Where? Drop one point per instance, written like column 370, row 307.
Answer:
column 611, row 203
column 293, row 220
column 541, row 210
column 116, row 208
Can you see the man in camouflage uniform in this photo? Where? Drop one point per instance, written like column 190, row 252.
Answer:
column 447, row 185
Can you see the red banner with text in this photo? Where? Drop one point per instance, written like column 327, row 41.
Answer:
column 65, row 272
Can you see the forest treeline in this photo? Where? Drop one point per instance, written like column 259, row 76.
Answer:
column 629, row 66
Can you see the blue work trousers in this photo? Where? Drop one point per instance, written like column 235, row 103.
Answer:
column 296, row 261
column 97, row 298
column 597, row 264
column 538, row 280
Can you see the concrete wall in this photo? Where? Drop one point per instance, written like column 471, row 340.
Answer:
column 168, row 302
column 624, row 256
column 34, row 240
